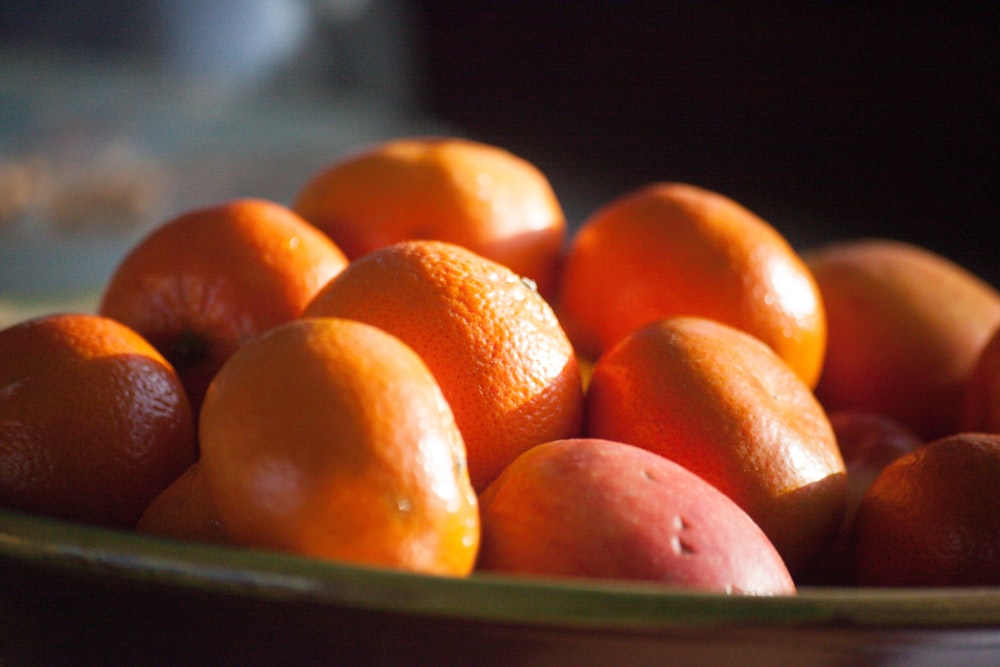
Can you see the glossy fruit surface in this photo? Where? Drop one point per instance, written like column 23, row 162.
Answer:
column 479, row 196
column 203, row 283
column 493, row 343
column 597, row 508
column 722, row 404
column 330, row 438
column 671, row 249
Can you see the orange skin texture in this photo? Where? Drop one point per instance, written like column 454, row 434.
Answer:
column 494, row 344
column 906, row 327
column 597, row 508
column 203, row 283
column 671, row 249
column 94, row 422
column 981, row 405
column 868, row 442
column 330, row 438
column 468, row 193
column 719, row 402
column 184, row 511
column 932, row 518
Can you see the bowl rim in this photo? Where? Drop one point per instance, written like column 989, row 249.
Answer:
column 84, row 550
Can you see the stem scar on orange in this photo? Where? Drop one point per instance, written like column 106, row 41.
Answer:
column 204, row 282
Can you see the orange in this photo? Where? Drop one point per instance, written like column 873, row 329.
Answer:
column 932, row 518
column 330, row 438
column 203, row 283
column 493, row 343
column 598, row 508
column 905, row 329
column 468, row 193
column 94, row 422
column 184, row 511
column 672, row 249
column 869, row 442
column 981, row 403
column 719, row 402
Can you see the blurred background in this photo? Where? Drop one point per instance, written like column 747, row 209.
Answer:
column 828, row 120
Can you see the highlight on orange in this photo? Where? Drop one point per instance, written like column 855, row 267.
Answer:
column 201, row 284
column 494, row 344
column 672, row 249
column 473, row 194
column 331, row 438
column 721, row 403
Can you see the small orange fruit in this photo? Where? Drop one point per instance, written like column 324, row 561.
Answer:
column 468, row 193
column 981, row 403
column 204, row 282
column 905, row 329
column 94, row 422
column 330, row 438
column 672, row 249
column 184, row 511
column 932, row 518
column 597, row 508
column 722, row 404
column 493, row 343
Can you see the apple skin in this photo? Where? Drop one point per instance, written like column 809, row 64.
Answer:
column 596, row 508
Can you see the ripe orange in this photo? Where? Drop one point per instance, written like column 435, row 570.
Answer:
column 94, row 422
column 981, row 403
column 719, row 402
column 905, row 329
column 184, row 511
column 493, row 343
column 330, row 438
column 468, row 193
column 932, row 518
column 671, row 249
column 598, row 508
column 204, row 282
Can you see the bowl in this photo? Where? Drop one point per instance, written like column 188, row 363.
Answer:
column 73, row 593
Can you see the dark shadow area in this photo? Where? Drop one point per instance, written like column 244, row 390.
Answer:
column 828, row 120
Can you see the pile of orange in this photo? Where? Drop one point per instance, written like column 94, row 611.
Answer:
column 417, row 365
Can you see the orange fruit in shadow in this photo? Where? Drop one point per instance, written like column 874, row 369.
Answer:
column 330, row 438
column 981, row 403
column 722, row 404
column 184, row 511
column 94, row 422
column 932, row 518
column 671, row 249
column 868, row 443
column 905, row 329
column 202, row 283
column 493, row 343
column 468, row 193
column 597, row 508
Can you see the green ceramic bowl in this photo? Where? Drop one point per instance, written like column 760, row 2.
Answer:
column 78, row 594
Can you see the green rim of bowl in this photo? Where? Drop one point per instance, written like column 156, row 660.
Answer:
column 627, row 606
